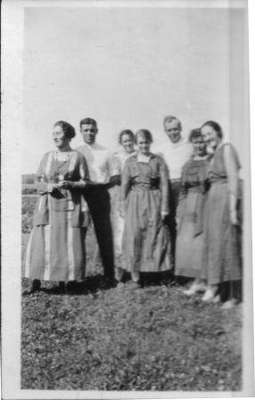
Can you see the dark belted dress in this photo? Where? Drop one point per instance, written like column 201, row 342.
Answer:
column 144, row 193
column 190, row 215
column 222, row 245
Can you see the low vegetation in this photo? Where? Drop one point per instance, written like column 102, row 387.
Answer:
column 96, row 337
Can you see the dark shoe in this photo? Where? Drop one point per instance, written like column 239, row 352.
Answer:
column 62, row 287
column 35, row 287
column 109, row 282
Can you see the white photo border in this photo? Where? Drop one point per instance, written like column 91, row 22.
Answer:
column 12, row 117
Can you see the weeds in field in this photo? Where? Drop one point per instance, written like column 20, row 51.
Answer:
column 152, row 338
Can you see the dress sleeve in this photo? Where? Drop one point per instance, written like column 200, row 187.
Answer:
column 182, row 194
column 164, row 180
column 232, row 168
column 41, row 182
column 125, row 181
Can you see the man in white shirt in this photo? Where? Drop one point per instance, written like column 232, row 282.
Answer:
column 96, row 194
column 175, row 151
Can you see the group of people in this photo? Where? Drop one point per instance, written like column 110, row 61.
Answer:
column 174, row 209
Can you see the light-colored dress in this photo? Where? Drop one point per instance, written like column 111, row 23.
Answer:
column 144, row 192
column 222, row 251
column 56, row 247
column 117, row 164
column 190, row 216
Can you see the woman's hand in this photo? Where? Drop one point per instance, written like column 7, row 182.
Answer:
column 163, row 215
column 233, row 217
column 233, row 210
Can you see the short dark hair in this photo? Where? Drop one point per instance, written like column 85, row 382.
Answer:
column 67, row 128
column 88, row 121
column 215, row 126
column 126, row 132
column 170, row 118
column 145, row 133
column 194, row 134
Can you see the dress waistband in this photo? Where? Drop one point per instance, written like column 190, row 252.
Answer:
column 144, row 186
column 218, row 180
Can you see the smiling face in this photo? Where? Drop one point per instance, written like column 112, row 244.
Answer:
column 59, row 138
column 89, row 132
column 199, row 146
column 143, row 145
column 173, row 130
column 211, row 138
column 127, row 143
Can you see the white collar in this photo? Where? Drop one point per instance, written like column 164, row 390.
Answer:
column 143, row 158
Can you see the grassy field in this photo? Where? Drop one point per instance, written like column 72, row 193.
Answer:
column 100, row 338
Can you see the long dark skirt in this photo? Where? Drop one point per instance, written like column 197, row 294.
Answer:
column 222, row 249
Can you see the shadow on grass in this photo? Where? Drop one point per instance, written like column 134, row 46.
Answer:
column 90, row 285
column 157, row 279
column 93, row 284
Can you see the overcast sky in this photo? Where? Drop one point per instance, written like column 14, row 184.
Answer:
column 128, row 68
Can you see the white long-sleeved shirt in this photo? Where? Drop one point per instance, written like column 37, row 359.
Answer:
column 118, row 160
column 175, row 155
column 98, row 159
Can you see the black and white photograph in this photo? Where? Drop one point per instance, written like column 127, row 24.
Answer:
column 127, row 249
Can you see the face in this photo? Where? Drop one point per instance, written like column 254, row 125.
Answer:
column 173, row 130
column 89, row 132
column 59, row 137
column 143, row 145
column 199, row 146
column 211, row 138
column 127, row 143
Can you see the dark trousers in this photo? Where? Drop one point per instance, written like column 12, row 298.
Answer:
column 98, row 200
column 174, row 191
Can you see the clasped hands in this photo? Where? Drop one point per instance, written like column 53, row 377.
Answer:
column 60, row 185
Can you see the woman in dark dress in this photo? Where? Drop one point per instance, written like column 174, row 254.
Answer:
column 222, row 251
column 190, row 214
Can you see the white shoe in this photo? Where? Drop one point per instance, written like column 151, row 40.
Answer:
column 216, row 299
column 229, row 304
column 189, row 292
column 200, row 287
column 194, row 288
column 209, row 294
